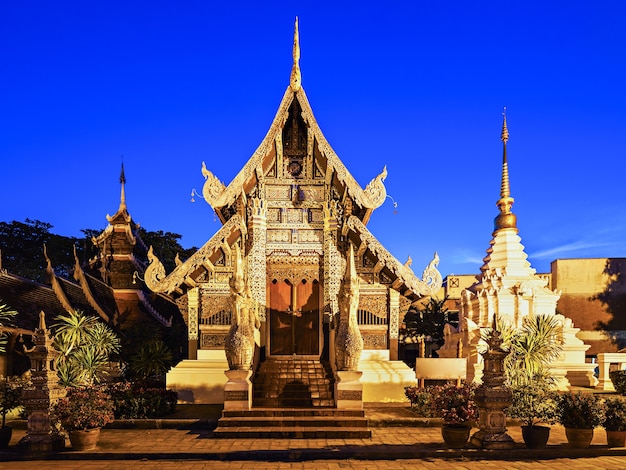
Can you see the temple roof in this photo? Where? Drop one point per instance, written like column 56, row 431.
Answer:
column 253, row 172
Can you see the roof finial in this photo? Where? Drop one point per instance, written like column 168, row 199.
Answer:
column 296, row 78
column 505, row 188
column 122, row 182
column 506, row 219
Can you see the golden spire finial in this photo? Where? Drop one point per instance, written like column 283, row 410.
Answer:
column 505, row 188
column 123, row 192
column 295, row 81
column 506, row 219
column 505, row 131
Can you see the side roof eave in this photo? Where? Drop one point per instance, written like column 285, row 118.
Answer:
column 429, row 285
column 155, row 277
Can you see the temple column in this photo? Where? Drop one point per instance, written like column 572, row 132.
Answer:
column 193, row 302
column 394, row 314
column 257, row 259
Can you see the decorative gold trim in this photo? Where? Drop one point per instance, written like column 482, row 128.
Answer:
column 432, row 281
column 79, row 276
column 155, row 277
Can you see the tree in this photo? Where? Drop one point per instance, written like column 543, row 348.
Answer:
column 166, row 245
column 428, row 321
column 22, row 249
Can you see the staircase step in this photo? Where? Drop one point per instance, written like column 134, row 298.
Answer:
column 293, row 382
column 294, row 433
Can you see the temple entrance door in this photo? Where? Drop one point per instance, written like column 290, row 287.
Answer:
column 294, row 318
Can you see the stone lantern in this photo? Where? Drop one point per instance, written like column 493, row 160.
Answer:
column 492, row 397
column 43, row 392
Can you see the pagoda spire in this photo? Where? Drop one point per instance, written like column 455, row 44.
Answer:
column 295, row 81
column 123, row 191
column 506, row 218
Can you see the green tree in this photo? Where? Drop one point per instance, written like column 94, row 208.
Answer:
column 22, row 244
column 166, row 246
column 22, row 249
column 428, row 321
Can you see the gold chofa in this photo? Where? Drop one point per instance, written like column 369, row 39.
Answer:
column 296, row 78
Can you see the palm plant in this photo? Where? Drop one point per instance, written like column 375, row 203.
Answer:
column 531, row 349
column 86, row 346
column 6, row 314
column 152, row 360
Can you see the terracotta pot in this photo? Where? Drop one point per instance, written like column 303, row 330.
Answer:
column 5, row 436
column 579, row 438
column 535, row 437
column 84, row 439
column 616, row 438
column 455, row 437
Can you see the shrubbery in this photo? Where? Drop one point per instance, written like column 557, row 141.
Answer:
column 420, row 400
column 618, row 377
column 135, row 401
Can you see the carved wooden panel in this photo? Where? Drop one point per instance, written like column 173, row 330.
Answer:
column 374, row 341
column 279, row 193
column 212, row 341
column 310, row 236
column 278, row 236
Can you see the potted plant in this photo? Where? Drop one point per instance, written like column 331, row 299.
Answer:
column 82, row 413
column 10, row 398
column 615, row 421
column 455, row 405
column 533, row 405
column 579, row 413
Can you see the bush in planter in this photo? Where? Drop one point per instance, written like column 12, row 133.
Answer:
column 615, row 421
column 454, row 404
column 140, row 401
column 84, row 408
column 618, row 377
column 533, row 404
column 580, row 410
column 614, row 414
column 420, row 400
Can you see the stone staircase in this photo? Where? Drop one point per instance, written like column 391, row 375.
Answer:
column 293, row 383
column 296, row 423
column 293, row 398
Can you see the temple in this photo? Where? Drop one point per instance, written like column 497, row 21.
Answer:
column 509, row 287
column 293, row 243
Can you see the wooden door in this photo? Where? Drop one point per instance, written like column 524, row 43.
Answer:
column 294, row 318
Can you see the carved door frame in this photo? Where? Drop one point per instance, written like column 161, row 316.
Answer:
column 294, row 271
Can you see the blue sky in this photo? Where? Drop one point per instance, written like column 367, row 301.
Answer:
column 418, row 86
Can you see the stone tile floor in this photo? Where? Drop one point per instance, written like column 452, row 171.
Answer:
column 399, row 440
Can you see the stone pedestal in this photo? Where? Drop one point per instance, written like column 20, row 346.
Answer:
column 201, row 380
column 384, row 380
column 491, row 419
column 349, row 390
column 238, row 390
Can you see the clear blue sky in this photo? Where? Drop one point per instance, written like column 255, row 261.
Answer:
column 418, row 86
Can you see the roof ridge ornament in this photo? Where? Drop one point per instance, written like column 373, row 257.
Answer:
column 123, row 191
column 295, row 81
column 506, row 218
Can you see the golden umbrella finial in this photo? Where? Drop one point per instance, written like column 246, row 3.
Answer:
column 296, row 77
column 506, row 219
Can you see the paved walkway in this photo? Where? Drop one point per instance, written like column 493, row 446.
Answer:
column 399, row 440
